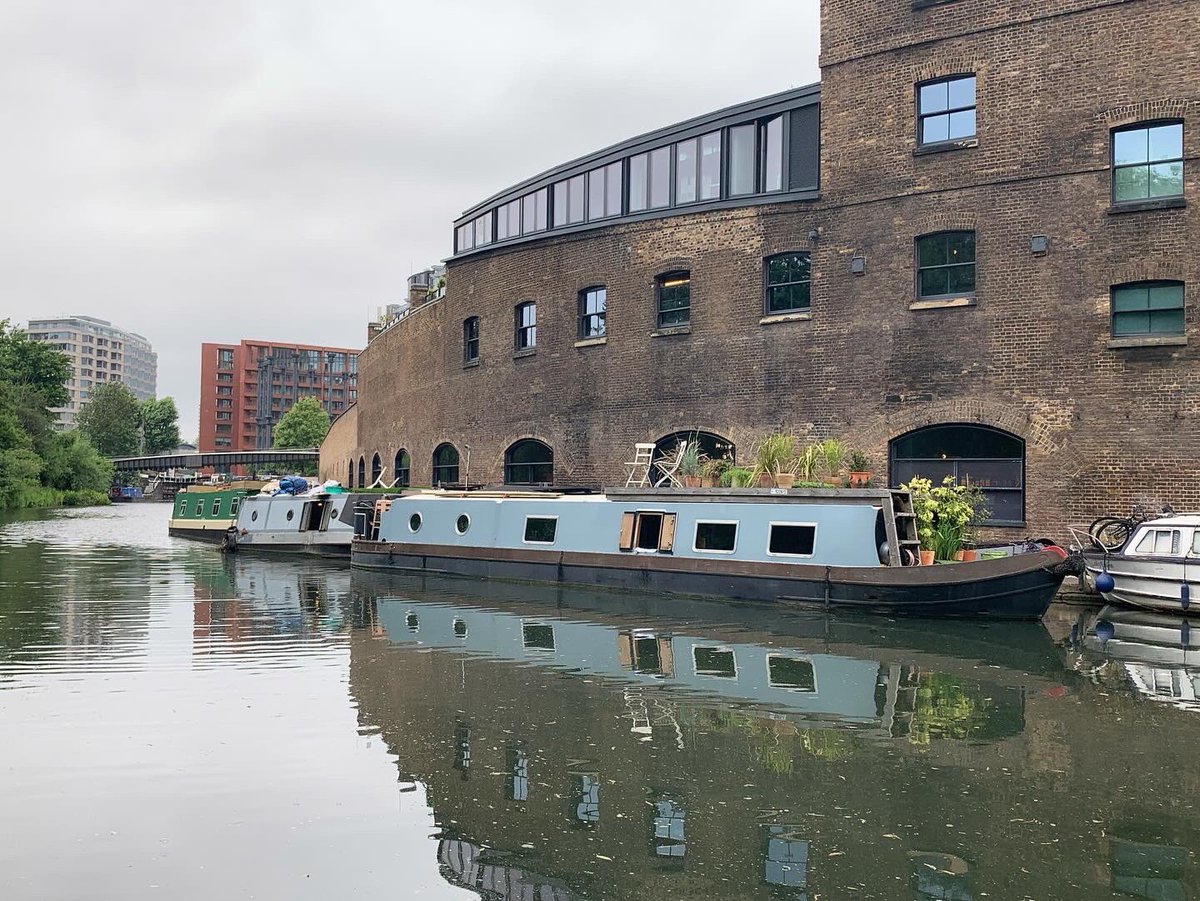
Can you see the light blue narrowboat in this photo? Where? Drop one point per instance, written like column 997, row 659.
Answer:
column 849, row 548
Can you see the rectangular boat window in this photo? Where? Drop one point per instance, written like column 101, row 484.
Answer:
column 718, row 663
column 791, row 673
column 216, row 506
column 716, row 537
column 1159, row 541
column 537, row 636
column 649, row 528
column 540, row 529
column 183, row 507
column 1196, row 542
column 792, row 539
column 234, row 506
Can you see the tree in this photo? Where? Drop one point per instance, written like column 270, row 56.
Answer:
column 72, row 464
column 33, row 364
column 111, row 420
column 304, row 425
column 160, row 426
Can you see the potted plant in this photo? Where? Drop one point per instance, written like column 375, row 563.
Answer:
column 859, row 469
column 774, row 457
column 979, row 513
column 712, row 471
column 690, row 465
column 738, row 477
column 833, row 454
column 806, row 463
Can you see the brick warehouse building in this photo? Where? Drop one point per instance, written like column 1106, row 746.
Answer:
column 979, row 262
column 245, row 388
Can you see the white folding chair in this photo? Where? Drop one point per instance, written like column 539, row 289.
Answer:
column 638, row 475
column 668, row 468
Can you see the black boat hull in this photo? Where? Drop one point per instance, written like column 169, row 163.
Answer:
column 1019, row 587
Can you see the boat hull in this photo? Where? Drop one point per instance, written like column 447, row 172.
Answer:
column 1019, row 587
column 1147, row 583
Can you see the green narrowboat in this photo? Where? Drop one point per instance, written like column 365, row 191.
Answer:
column 207, row 511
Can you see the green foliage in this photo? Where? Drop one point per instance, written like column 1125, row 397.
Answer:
column 111, row 420
column 33, row 364
column 85, row 498
column 857, row 461
column 160, row 426
column 304, row 425
column 738, row 477
column 72, row 464
column 833, row 454
column 692, row 460
column 946, row 514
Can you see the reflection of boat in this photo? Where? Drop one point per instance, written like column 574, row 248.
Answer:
column 842, row 548
column 811, row 666
column 1159, row 655
column 1156, row 567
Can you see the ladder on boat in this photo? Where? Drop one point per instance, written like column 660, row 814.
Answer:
column 902, row 533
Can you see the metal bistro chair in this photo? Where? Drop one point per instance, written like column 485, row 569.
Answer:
column 668, row 468
column 639, row 470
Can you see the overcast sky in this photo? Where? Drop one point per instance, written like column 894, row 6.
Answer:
column 275, row 169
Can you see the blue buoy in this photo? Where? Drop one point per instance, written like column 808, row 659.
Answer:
column 1185, row 596
column 1105, row 582
column 1105, row 630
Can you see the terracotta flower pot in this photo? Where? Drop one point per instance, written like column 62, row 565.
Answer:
column 926, row 557
column 708, row 482
column 969, row 555
column 958, row 555
column 765, row 481
column 859, row 479
column 785, row 480
column 691, row 481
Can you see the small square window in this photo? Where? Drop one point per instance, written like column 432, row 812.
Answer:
column 789, row 279
column 946, row 265
column 1147, row 309
column 1147, row 162
column 674, row 290
column 946, row 110
column 526, row 325
column 593, row 304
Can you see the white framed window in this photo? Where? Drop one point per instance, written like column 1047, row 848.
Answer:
column 715, row 536
column 791, row 673
column 714, row 662
column 791, row 539
column 540, row 529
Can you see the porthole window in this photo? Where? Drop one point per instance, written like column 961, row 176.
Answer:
column 254, row 516
column 291, row 514
column 414, row 522
column 462, row 524
column 333, row 514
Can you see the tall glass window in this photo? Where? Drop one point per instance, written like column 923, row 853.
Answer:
column 604, row 192
column 1147, row 162
column 772, row 154
column 639, row 182
column 483, row 230
column 534, row 211
column 789, row 282
column 471, row 339
column 660, row 178
column 445, row 465
column 569, row 201
column 508, row 220
column 525, row 317
column 403, row 466
column 946, row 264
column 742, row 160
column 685, row 171
column 674, row 299
column 464, row 237
column 592, row 305
column 946, row 110
column 529, row 462
column 1147, row 308
column 710, row 166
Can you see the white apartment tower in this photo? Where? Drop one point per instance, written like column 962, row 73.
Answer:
column 99, row 352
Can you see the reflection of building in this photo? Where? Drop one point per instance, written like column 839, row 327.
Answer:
column 958, row 251
column 245, row 388
column 99, row 352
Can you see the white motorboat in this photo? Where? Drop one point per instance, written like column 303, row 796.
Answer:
column 1153, row 564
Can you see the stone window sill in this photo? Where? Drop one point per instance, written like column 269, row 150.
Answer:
column 945, row 147
column 1148, row 341
column 925, row 4
column 471, row 364
column 673, row 330
column 527, row 352
column 591, row 342
column 1145, row 206
column 785, row 317
column 943, row 303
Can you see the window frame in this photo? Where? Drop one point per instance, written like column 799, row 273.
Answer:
column 714, row 522
column 525, row 333
column 528, row 468
column 767, row 286
column 947, row 112
column 713, row 674
column 1114, row 167
column 795, row 658
column 471, row 342
column 525, row 539
column 435, row 466
column 1153, row 283
column 770, row 529
column 974, row 263
column 405, row 480
column 583, row 316
column 660, row 282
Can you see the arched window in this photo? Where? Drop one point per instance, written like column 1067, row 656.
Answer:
column 445, row 465
column 403, row 464
column 712, row 446
column 350, row 473
column 362, row 472
column 529, row 462
column 376, row 469
column 986, row 458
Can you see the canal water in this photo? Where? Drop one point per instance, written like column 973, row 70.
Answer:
column 178, row 724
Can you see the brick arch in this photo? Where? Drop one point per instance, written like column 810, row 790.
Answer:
column 1146, row 110
column 948, row 67
column 943, row 221
column 564, row 462
column 1148, row 271
column 669, row 264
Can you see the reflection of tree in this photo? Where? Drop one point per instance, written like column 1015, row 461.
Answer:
column 947, row 707
column 775, row 744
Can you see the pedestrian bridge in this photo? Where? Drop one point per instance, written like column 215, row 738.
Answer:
column 216, row 460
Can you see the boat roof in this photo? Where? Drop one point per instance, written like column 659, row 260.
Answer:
column 659, row 495
column 1179, row 519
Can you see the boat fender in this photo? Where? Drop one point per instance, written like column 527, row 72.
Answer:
column 1105, row 582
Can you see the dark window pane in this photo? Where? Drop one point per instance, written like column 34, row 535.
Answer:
column 717, row 662
column 673, row 317
column 1131, row 324
column 788, row 672
column 961, row 279
column 795, row 540
column 741, row 160
column 538, row 636
column 931, row 251
column 1165, row 297
column 1130, row 299
column 1166, row 322
column 540, row 529
column 716, row 536
column 934, row 282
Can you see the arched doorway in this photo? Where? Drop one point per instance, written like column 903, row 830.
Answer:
column 362, row 472
column 350, row 473
column 445, row 464
column 712, row 446
column 986, row 458
column 529, row 462
column 376, row 469
column 403, row 465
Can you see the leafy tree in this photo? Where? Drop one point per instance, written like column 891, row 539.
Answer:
column 20, row 471
column 160, row 426
column 72, row 464
column 111, row 420
column 304, row 425
column 33, row 364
